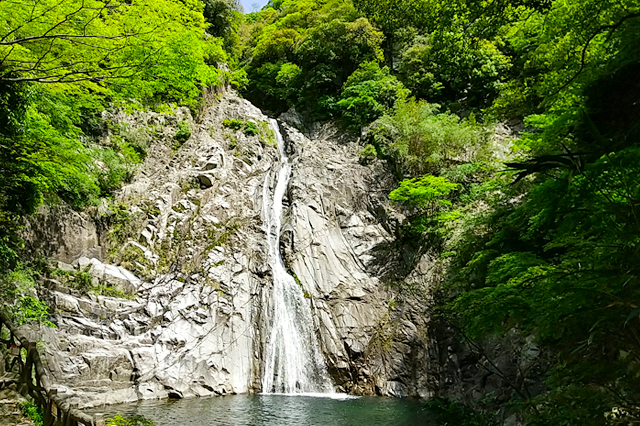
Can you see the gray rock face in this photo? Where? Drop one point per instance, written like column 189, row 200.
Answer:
column 62, row 233
column 191, row 329
column 195, row 260
column 334, row 227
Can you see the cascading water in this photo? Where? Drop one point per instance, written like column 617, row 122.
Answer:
column 292, row 360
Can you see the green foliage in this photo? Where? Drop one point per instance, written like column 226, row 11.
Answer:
column 113, row 168
column 419, row 140
column 218, row 235
column 337, row 48
column 29, row 309
column 18, row 290
column 61, row 64
column 85, row 283
column 368, row 154
column 392, row 15
column 560, row 264
column 183, row 133
column 447, row 68
column 10, row 240
column 305, row 52
column 368, row 93
column 233, row 140
column 80, row 280
column 425, row 191
column 239, row 79
column 136, row 420
column 450, row 413
column 119, row 220
column 288, row 74
column 46, row 158
column 553, row 256
column 155, row 46
column 33, row 412
column 136, row 139
column 267, row 135
column 250, row 128
column 233, row 124
column 224, row 20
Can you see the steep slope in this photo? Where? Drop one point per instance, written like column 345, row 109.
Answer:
column 193, row 256
column 338, row 221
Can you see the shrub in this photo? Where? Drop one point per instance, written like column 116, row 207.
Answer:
column 425, row 191
column 419, row 140
column 79, row 280
column 183, row 133
column 111, row 169
column 368, row 154
column 267, row 136
column 444, row 68
column 136, row 420
column 32, row 411
column 29, row 309
column 368, row 93
column 19, row 289
column 239, row 80
column 120, row 224
column 137, row 139
column 233, row 124
column 250, row 128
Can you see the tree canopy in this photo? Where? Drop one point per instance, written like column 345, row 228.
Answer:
column 539, row 231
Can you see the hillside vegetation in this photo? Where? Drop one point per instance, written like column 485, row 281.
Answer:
column 540, row 232
column 548, row 249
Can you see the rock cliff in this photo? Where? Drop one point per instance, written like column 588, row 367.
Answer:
column 184, row 248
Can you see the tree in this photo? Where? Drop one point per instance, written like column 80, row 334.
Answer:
column 303, row 54
column 331, row 52
column 368, row 93
column 392, row 15
column 419, row 140
column 95, row 41
column 224, row 18
column 427, row 191
column 445, row 68
column 61, row 63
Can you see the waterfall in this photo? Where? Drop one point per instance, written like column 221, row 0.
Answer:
column 292, row 359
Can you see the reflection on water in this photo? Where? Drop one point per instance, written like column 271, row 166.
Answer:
column 278, row 410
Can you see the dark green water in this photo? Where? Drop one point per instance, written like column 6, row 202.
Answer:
column 278, row 410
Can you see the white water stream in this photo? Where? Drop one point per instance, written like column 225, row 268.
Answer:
column 292, row 359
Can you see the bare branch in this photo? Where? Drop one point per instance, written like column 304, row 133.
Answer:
column 7, row 55
column 70, row 36
column 19, row 27
column 612, row 28
column 88, row 74
column 38, row 64
column 66, row 19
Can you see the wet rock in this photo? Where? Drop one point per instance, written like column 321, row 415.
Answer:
column 331, row 244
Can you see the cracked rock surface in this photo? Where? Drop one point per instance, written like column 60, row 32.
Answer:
column 194, row 265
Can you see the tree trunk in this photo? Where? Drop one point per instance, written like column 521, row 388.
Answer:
column 388, row 51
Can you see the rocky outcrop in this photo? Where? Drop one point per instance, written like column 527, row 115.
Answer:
column 191, row 256
column 337, row 219
column 62, row 233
